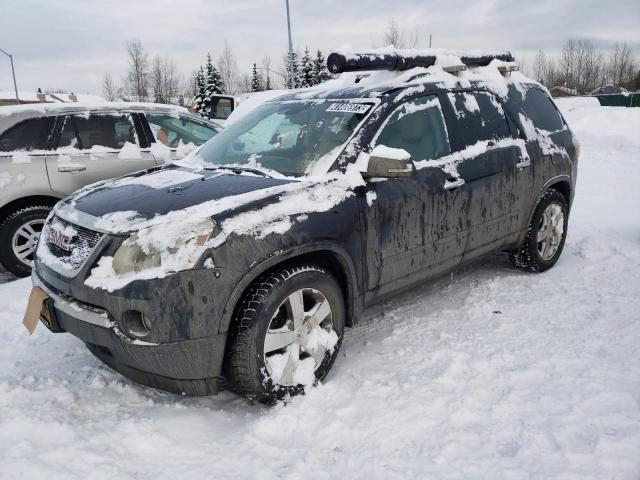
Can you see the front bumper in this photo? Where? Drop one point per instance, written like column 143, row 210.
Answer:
column 190, row 366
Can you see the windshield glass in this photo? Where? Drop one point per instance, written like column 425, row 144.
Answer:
column 291, row 138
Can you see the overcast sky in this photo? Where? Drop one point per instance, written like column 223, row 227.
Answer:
column 71, row 44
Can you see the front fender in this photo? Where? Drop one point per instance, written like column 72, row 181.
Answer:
column 353, row 295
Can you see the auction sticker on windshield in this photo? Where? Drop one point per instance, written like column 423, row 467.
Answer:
column 349, row 107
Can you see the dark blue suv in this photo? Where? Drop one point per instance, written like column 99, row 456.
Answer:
column 247, row 260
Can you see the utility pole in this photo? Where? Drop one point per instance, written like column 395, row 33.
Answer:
column 13, row 72
column 429, row 40
column 290, row 48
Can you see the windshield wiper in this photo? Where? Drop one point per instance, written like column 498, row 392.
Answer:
column 238, row 169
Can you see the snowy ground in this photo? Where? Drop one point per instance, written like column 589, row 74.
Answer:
column 488, row 374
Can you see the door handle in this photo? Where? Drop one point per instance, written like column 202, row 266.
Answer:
column 454, row 183
column 523, row 163
column 72, row 168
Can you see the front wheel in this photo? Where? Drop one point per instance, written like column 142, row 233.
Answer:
column 546, row 234
column 286, row 333
column 19, row 236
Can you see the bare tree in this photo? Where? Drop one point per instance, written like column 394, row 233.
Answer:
column 165, row 79
column 228, row 67
column 109, row 87
column 244, row 83
column 580, row 65
column 190, row 87
column 540, row 66
column 619, row 63
column 138, row 74
column 394, row 36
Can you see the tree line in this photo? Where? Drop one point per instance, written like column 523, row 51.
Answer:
column 158, row 79
column 582, row 67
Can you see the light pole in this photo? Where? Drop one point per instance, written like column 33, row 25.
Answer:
column 13, row 72
column 290, row 48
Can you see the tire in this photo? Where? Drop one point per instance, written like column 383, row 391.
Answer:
column 13, row 233
column 543, row 246
column 254, row 366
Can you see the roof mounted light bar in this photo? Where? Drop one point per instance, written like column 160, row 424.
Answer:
column 358, row 62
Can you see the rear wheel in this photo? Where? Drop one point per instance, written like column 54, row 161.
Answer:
column 19, row 236
column 546, row 234
column 286, row 333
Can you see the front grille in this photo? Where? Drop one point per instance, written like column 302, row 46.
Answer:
column 70, row 244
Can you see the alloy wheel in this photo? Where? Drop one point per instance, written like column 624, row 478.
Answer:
column 25, row 240
column 550, row 231
column 298, row 338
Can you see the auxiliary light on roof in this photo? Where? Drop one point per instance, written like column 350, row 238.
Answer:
column 358, row 62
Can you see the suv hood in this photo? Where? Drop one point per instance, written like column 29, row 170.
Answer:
column 174, row 198
column 158, row 191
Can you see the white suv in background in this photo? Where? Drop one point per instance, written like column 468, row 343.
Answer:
column 48, row 151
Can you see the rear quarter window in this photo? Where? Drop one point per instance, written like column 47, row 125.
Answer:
column 539, row 108
column 479, row 116
column 104, row 130
column 31, row 134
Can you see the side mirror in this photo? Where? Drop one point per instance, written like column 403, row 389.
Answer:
column 386, row 162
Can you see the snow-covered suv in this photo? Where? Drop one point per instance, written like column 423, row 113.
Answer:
column 48, row 151
column 248, row 259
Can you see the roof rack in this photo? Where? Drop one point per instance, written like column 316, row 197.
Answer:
column 358, row 62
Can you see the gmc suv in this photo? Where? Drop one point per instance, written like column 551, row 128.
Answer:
column 247, row 260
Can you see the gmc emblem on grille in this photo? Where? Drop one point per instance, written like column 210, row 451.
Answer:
column 59, row 239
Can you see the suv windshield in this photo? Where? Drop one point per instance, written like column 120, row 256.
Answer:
column 290, row 137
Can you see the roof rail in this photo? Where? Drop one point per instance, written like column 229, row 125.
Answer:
column 358, row 62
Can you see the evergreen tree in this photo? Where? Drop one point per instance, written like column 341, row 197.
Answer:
column 320, row 72
column 199, row 101
column 217, row 85
column 256, row 80
column 295, row 75
column 209, row 82
column 307, row 70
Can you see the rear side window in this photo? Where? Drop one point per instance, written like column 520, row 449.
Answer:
column 32, row 134
column 171, row 131
column 541, row 111
column 479, row 117
column 417, row 127
column 109, row 131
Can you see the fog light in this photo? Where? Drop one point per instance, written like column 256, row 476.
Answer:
column 136, row 324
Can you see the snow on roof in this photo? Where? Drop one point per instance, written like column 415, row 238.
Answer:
column 55, row 108
column 12, row 114
column 375, row 83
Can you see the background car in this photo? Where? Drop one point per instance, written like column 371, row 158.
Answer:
column 50, row 151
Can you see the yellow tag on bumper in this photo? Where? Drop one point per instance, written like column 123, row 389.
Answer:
column 32, row 315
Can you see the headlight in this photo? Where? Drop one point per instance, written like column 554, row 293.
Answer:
column 131, row 257
column 172, row 247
